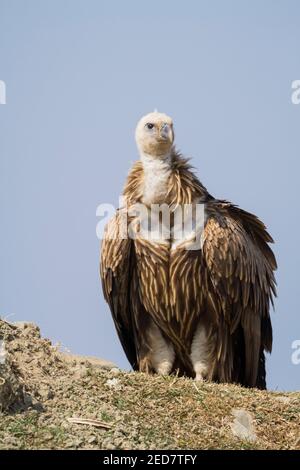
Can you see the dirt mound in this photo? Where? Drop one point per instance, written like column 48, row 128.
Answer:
column 52, row 400
column 11, row 391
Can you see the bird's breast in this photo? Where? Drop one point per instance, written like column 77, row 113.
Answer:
column 168, row 274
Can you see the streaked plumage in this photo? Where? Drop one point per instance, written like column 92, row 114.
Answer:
column 203, row 312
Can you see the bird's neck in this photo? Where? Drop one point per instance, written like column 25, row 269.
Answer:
column 157, row 171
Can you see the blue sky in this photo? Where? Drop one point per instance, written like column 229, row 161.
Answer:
column 79, row 74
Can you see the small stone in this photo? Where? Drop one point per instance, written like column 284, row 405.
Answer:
column 242, row 426
column 110, row 446
column 113, row 383
column 283, row 399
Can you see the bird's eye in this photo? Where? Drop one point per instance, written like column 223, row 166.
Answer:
column 149, row 125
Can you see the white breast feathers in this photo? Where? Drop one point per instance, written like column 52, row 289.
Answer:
column 156, row 176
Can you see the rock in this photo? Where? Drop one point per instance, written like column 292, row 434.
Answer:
column 242, row 426
column 113, row 383
column 283, row 399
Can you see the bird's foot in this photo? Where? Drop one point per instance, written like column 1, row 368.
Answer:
column 164, row 368
column 199, row 377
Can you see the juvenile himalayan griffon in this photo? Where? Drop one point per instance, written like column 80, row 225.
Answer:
column 203, row 312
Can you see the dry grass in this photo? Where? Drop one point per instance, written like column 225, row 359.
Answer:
column 141, row 412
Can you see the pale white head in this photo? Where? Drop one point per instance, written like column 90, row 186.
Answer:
column 154, row 134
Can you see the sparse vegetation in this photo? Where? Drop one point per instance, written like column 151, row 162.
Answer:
column 139, row 411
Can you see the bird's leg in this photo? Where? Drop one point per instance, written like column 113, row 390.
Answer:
column 164, row 367
column 145, row 365
column 162, row 352
column 200, row 371
column 201, row 353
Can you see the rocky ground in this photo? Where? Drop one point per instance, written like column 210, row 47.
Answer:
column 51, row 400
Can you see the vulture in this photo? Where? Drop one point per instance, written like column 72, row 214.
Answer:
column 194, row 302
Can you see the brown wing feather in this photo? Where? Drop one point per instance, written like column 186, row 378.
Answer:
column 240, row 264
column 116, row 254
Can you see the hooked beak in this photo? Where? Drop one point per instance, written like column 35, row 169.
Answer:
column 164, row 132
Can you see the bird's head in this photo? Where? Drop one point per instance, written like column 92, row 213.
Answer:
column 154, row 134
